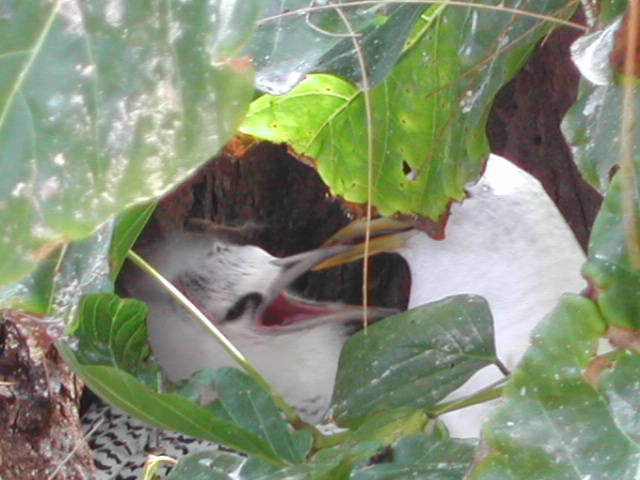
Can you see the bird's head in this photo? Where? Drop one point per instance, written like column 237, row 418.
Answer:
column 232, row 282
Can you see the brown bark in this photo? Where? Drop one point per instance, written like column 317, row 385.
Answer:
column 40, row 435
column 524, row 127
column 283, row 206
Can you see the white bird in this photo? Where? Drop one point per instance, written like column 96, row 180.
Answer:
column 508, row 243
column 293, row 343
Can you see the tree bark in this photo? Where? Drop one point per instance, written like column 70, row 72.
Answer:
column 524, row 127
column 40, row 433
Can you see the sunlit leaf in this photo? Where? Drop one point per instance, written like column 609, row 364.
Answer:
column 429, row 114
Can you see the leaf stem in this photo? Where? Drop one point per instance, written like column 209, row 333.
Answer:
column 326, row 441
column 502, row 367
column 231, row 349
column 365, row 87
column 628, row 193
column 489, row 393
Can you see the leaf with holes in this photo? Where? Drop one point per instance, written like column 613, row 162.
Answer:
column 429, row 114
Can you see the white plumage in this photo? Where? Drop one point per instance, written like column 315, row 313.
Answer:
column 506, row 242
column 298, row 358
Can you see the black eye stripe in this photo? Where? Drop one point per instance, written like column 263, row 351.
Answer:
column 251, row 300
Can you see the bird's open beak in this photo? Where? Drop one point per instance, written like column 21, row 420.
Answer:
column 295, row 265
column 287, row 312
column 386, row 235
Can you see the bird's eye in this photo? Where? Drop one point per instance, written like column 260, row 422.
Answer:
column 250, row 300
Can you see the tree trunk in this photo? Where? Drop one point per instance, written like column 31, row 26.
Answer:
column 40, row 434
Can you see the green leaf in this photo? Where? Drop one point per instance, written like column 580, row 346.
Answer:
column 555, row 424
column 609, row 9
column 206, row 466
column 413, row 359
column 129, row 225
column 110, row 351
column 59, row 282
column 287, row 47
column 112, row 331
column 384, row 428
column 621, row 386
column 166, row 411
column 423, row 456
column 317, row 469
column 102, row 108
column 592, row 128
column 609, row 266
column 429, row 114
column 251, row 407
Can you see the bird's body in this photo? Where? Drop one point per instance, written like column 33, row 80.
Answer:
column 294, row 343
column 240, row 288
column 506, row 242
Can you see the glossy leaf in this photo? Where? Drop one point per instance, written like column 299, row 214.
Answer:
column 166, row 411
column 112, row 331
column 357, row 447
column 206, row 466
column 251, row 407
column 556, row 424
column 103, row 106
column 592, row 125
column 609, row 266
column 413, row 359
column 288, row 46
column 129, row 225
column 109, row 353
column 422, row 456
column 429, row 114
column 56, row 286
